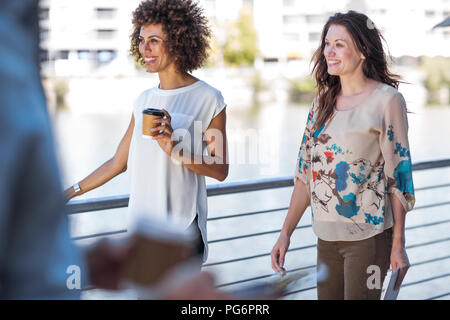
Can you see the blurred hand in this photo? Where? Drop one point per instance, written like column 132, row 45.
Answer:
column 199, row 287
column 399, row 260
column 278, row 253
column 106, row 263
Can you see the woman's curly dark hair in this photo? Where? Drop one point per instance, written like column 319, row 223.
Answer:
column 184, row 24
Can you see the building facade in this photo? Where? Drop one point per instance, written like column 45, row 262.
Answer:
column 291, row 29
column 92, row 37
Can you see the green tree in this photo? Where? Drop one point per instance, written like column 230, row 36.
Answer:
column 241, row 46
column 437, row 71
column 213, row 53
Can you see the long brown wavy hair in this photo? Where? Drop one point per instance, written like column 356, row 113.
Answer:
column 368, row 40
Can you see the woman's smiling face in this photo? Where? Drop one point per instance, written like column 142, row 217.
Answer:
column 152, row 48
column 340, row 51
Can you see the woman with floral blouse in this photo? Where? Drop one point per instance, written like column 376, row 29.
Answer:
column 354, row 164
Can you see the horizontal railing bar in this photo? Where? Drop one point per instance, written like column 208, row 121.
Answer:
column 254, row 257
column 304, row 268
column 439, row 296
column 121, row 201
column 97, row 204
column 300, row 290
column 117, row 202
column 88, row 288
column 435, row 164
column 261, row 277
column 246, row 214
column 428, row 224
column 102, row 234
column 425, row 280
column 209, row 242
column 271, row 183
column 427, row 243
column 243, row 236
column 433, row 187
column 247, row 235
column 313, row 266
column 433, row 205
column 312, row 246
column 250, row 185
column 429, row 261
column 286, row 208
column 255, row 234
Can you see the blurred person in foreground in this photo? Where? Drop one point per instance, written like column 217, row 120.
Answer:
column 167, row 171
column 354, row 165
column 35, row 246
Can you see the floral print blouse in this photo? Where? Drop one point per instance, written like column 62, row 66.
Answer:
column 353, row 162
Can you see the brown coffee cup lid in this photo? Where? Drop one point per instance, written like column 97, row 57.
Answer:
column 153, row 112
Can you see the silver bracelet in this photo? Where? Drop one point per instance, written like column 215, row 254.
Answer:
column 76, row 187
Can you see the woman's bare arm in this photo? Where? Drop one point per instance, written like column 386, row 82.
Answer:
column 110, row 169
column 300, row 200
column 215, row 165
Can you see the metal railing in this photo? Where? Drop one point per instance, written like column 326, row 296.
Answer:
column 115, row 202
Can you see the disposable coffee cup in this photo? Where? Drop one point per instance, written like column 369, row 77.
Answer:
column 148, row 115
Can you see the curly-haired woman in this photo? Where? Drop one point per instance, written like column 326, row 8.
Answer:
column 354, row 164
column 167, row 172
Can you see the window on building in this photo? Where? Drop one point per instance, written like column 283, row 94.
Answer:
column 289, row 3
column 105, row 56
column 105, row 33
column 84, row 55
column 314, row 36
column 270, row 59
column 105, row 13
column 291, row 36
column 380, row 11
column 447, row 35
column 44, row 13
column 43, row 55
column 62, row 55
column 44, row 34
column 314, row 18
column 294, row 19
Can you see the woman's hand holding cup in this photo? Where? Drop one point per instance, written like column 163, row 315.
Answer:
column 163, row 132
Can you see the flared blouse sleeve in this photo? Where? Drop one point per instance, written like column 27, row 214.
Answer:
column 303, row 166
column 395, row 150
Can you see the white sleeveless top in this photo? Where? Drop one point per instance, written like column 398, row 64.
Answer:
column 161, row 187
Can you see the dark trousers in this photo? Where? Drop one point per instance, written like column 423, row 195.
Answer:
column 350, row 267
column 199, row 245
